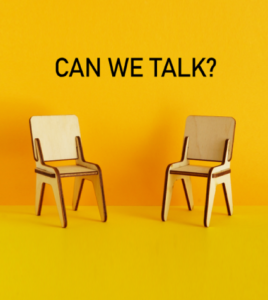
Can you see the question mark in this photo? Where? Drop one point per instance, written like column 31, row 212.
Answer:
column 212, row 67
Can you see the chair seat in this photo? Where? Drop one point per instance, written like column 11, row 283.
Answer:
column 72, row 171
column 69, row 171
column 200, row 171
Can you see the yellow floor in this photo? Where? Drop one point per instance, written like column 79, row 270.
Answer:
column 134, row 255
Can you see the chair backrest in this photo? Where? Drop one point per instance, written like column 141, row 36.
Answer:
column 57, row 136
column 207, row 136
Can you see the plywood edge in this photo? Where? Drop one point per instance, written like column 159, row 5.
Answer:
column 216, row 175
column 188, row 173
column 33, row 147
column 45, row 173
column 79, row 174
column 233, row 140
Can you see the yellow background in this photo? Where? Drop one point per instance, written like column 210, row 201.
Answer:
column 133, row 127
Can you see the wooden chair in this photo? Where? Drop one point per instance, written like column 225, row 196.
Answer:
column 56, row 138
column 205, row 139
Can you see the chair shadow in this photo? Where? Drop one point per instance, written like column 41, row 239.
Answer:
column 143, row 213
column 46, row 224
column 76, row 215
column 17, row 146
column 220, row 213
column 35, row 220
column 182, row 215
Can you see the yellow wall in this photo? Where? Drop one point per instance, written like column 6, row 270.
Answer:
column 133, row 127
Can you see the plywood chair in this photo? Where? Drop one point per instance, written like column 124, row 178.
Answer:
column 205, row 139
column 56, row 138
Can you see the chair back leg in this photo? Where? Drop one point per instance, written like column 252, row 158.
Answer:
column 227, row 189
column 39, row 194
column 78, row 187
column 187, row 186
column 211, row 189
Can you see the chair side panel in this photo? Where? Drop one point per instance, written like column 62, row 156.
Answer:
column 207, row 137
column 57, row 136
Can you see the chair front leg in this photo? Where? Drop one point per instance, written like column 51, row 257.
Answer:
column 99, row 193
column 211, row 189
column 168, row 188
column 55, row 183
column 57, row 189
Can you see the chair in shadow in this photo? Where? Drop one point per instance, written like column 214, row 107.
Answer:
column 205, row 139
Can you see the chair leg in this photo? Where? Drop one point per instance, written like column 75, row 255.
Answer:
column 78, row 187
column 39, row 194
column 57, row 189
column 211, row 189
column 99, row 193
column 187, row 186
column 169, row 183
column 227, row 189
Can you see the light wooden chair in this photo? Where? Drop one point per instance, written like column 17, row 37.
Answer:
column 205, row 139
column 56, row 138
